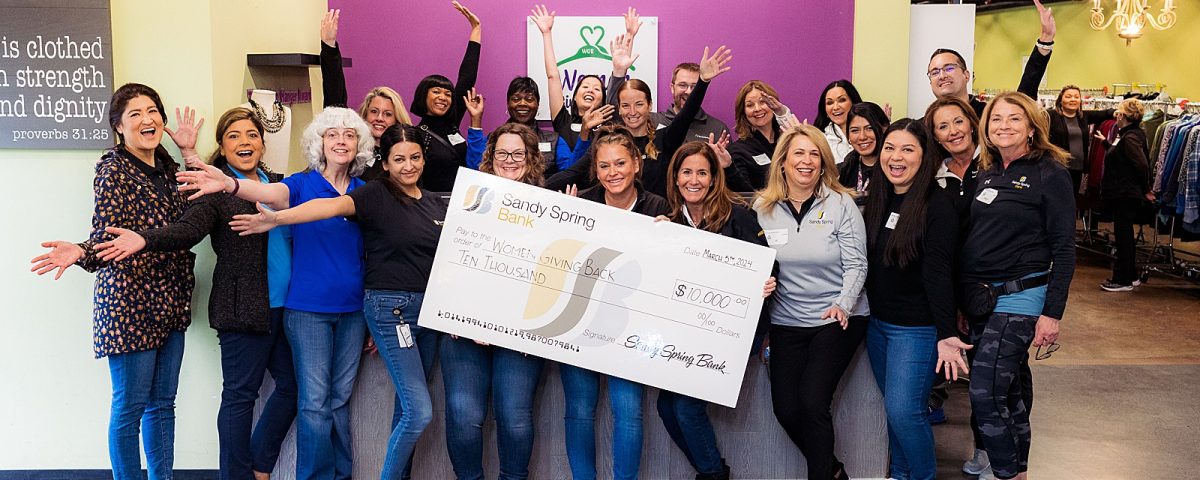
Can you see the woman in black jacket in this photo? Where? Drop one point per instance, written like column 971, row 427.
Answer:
column 1124, row 188
column 865, row 124
column 754, row 114
column 250, row 282
column 1069, row 126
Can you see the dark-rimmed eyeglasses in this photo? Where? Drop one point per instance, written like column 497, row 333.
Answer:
column 948, row 69
column 1044, row 354
column 516, row 156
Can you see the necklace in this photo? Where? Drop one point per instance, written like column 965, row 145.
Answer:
column 273, row 124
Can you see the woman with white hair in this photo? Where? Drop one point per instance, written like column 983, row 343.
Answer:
column 323, row 316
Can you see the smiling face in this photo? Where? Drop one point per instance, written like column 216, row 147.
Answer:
column 694, row 179
column 682, row 86
column 802, row 164
column 404, row 164
column 861, row 136
column 1071, row 101
column 616, row 169
column 381, row 114
column 1008, row 127
column 340, row 145
column 756, row 109
column 634, row 108
column 952, row 130
column 901, row 158
column 437, row 100
column 242, row 146
column 522, row 106
column 509, row 157
column 837, row 105
column 589, row 94
column 947, row 78
column 141, row 124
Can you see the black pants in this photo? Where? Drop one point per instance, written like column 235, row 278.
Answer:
column 806, row 365
column 1124, row 213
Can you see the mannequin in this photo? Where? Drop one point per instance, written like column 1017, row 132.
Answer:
column 278, row 142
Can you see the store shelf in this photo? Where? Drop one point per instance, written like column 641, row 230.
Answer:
column 288, row 60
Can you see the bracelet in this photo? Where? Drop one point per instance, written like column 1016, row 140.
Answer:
column 1049, row 44
column 236, row 186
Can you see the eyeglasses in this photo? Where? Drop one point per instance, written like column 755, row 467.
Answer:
column 516, row 156
column 685, row 86
column 1050, row 349
column 948, row 69
column 333, row 135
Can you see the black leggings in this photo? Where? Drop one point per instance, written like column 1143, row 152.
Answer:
column 806, row 365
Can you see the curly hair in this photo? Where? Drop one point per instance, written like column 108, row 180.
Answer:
column 313, row 146
column 535, row 164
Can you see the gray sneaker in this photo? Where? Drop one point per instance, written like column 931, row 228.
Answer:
column 978, row 464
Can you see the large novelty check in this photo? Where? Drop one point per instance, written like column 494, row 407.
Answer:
column 597, row 287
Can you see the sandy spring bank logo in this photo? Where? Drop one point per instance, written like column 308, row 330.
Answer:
column 478, row 199
column 556, row 264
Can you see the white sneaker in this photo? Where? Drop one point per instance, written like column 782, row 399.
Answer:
column 987, row 474
column 978, row 464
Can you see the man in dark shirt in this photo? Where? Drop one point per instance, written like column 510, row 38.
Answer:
column 683, row 81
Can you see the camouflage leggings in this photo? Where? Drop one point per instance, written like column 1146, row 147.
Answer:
column 1002, row 389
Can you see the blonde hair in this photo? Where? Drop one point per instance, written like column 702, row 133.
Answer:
column 1132, row 109
column 1039, row 124
column 777, row 189
column 395, row 98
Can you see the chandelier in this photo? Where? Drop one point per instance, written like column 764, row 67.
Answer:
column 1131, row 16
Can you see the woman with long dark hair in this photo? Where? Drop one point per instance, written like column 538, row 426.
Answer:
column 833, row 106
column 912, row 234
column 143, row 304
column 245, row 307
column 865, row 124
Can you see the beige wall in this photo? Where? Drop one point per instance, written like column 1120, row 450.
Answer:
column 881, row 52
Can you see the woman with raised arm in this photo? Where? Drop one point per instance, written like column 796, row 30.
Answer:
column 323, row 316
column 833, row 107
column 250, row 283
column 699, row 199
column 381, row 108
column 142, row 305
column 865, row 122
column 472, row 371
column 1018, row 260
column 818, row 316
column 401, row 224
column 617, row 168
column 758, row 115
column 589, row 89
column 523, row 101
column 439, row 103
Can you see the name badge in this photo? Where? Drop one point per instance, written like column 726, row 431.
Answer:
column 544, row 146
column 987, row 195
column 776, row 237
column 576, row 127
column 891, row 221
column 762, row 159
column 660, row 127
column 455, row 139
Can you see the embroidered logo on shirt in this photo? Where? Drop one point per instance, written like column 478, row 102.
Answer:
column 820, row 220
column 1020, row 183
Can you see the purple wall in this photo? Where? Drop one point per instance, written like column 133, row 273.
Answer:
column 798, row 47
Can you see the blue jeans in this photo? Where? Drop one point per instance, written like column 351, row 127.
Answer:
column 385, row 310
column 144, row 385
column 470, row 372
column 903, row 359
column 245, row 357
column 581, row 389
column 686, row 421
column 326, row 348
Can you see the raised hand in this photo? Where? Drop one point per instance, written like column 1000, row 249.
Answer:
column 61, row 256
column 715, row 65
column 633, row 22
column 598, row 116
column 779, row 109
column 329, row 27
column 543, row 18
column 474, row 103
column 720, row 147
column 250, row 224
column 187, row 130
column 622, row 54
column 126, row 243
column 951, row 359
column 475, row 23
column 207, row 179
column 1047, row 18
column 571, row 190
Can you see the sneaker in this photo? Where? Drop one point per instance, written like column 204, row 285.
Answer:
column 1110, row 286
column 978, row 463
column 936, row 416
column 986, row 474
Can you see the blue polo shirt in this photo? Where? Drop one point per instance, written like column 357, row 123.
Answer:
column 327, row 255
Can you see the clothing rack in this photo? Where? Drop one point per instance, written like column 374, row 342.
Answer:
column 1154, row 254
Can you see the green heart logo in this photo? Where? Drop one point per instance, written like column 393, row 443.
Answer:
column 592, row 31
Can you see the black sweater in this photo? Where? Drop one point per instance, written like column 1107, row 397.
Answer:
column 654, row 170
column 922, row 293
column 442, row 157
column 1027, row 227
column 1059, row 135
column 746, row 174
column 240, row 300
column 333, row 86
column 1031, row 77
column 1126, row 168
column 647, row 203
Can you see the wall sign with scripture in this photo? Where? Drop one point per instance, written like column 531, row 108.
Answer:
column 55, row 74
